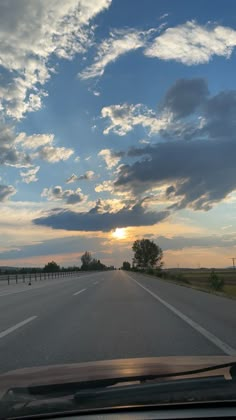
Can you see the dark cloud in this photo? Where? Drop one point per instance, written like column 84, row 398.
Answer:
column 200, row 173
column 198, row 160
column 54, row 246
column 220, row 114
column 139, row 151
column 119, row 154
column 185, row 96
column 94, row 220
column 180, row 242
column 69, row 196
column 9, row 155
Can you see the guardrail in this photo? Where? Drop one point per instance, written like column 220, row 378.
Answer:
column 28, row 278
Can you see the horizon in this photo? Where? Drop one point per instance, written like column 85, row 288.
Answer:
column 118, row 128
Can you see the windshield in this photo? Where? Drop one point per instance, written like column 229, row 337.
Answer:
column 117, row 193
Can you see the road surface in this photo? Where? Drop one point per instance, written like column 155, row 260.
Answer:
column 108, row 315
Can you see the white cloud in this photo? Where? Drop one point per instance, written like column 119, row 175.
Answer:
column 30, row 175
column 34, row 141
column 104, row 186
column 110, row 158
column 87, row 176
column 124, row 117
column 6, row 191
column 69, row 196
column 54, row 154
column 143, row 141
column 13, row 148
column 191, row 43
column 30, row 33
column 119, row 43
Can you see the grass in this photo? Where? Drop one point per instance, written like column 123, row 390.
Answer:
column 199, row 279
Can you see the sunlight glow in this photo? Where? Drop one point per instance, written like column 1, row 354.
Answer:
column 119, row 233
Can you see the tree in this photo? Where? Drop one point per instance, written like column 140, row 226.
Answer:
column 216, row 282
column 147, row 254
column 86, row 260
column 126, row 265
column 51, row 267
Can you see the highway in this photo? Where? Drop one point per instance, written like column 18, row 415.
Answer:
column 109, row 315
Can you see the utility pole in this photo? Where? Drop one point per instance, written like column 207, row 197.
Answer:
column 233, row 259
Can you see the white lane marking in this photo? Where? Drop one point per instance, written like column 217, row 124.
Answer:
column 96, row 282
column 15, row 327
column 80, row 291
column 211, row 337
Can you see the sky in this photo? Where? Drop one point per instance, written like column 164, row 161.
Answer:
column 117, row 122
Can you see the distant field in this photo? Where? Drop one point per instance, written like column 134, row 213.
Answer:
column 200, row 279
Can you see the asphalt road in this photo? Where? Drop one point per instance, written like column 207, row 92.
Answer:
column 110, row 315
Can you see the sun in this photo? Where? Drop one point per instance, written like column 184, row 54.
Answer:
column 119, row 233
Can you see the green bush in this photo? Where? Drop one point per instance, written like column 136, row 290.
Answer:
column 182, row 278
column 159, row 273
column 150, row 271
column 216, row 282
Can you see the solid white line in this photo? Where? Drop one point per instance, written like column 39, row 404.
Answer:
column 80, row 291
column 211, row 337
column 15, row 327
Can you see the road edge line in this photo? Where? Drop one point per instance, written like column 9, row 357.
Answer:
column 210, row 337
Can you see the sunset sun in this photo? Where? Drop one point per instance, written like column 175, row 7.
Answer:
column 119, row 233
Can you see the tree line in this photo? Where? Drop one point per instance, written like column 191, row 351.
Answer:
column 88, row 263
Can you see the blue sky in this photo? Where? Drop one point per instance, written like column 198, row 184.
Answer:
column 117, row 122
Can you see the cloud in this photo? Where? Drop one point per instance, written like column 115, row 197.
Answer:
column 20, row 150
column 200, row 173
column 58, row 246
column 30, row 34
column 181, row 242
column 185, row 96
column 144, row 141
column 119, row 43
column 193, row 44
column 34, row 141
column 124, row 117
column 95, row 220
column 54, row 154
column 69, row 196
column 87, row 176
column 111, row 158
column 104, row 186
column 6, row 191
column 30, row 175
column 199, row 151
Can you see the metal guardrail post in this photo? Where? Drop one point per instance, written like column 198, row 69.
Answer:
column 8, row 279
column 16, row 279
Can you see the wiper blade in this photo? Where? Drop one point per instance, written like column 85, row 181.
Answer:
column 57, row 390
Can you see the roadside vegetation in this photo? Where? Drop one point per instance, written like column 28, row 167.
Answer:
column 148, row 259
column 88, row 263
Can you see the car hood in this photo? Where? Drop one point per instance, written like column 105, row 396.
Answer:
column 108, row 369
